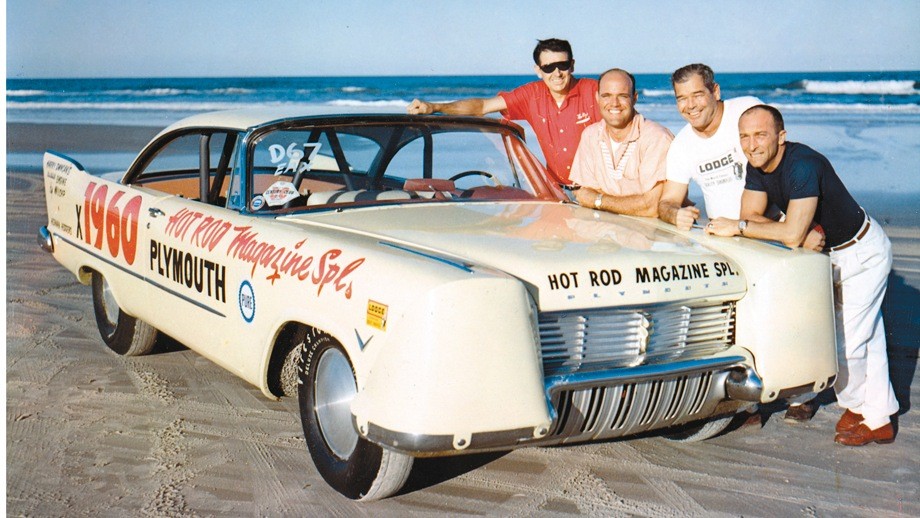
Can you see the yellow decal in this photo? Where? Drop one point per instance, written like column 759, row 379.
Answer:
column 377, row 315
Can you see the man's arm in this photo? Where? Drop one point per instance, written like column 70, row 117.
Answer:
column 645, row 204
column 791, row 232
column 475, row 106
column 671, row 209
column 753, row 208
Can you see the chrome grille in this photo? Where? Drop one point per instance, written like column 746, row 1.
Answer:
column 612, row 338
column 605, row 412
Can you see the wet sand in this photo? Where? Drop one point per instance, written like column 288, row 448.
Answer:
column 171, row 434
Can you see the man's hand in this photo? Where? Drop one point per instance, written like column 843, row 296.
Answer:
column 723, row 227
column 686, row 216
column 585, row 196
column 814, row 240
column 419, row 107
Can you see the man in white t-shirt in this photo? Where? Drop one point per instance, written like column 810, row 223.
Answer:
column 706, row 150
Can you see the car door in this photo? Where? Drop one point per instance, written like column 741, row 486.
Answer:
column 184, row 182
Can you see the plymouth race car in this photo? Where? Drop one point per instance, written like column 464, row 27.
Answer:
column 424, row 291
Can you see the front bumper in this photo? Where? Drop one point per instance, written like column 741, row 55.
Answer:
column 606, row 404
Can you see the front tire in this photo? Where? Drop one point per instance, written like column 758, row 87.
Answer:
column 353, row 466
column 123, row 333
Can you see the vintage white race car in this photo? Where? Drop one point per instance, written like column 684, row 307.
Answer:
column 424, row 291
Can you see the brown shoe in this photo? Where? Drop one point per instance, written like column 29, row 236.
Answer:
column 800, row 413
column 848, row 421
column 862, row 435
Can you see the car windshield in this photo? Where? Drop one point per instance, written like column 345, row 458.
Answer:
column 371, row 162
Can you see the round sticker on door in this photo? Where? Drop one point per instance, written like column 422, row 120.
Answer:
column 247, row 301
column 258, row 202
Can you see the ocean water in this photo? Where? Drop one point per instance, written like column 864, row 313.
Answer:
column 163, row 100
column 867, row 123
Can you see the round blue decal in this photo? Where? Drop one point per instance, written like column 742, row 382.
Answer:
column 247, row 301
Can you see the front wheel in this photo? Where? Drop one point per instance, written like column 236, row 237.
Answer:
column 353, row 466
column 123, row 333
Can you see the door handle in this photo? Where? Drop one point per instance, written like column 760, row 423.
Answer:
column 154, row 212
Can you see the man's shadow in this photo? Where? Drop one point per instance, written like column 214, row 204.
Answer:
column 901, row 311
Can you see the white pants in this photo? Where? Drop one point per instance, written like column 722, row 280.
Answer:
column 860, row 280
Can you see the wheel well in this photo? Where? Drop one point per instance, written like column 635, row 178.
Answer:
column 291, row 335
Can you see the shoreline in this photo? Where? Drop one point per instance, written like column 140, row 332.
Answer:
column 105, row 147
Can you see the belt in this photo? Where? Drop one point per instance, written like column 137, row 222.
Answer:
column 860, row 235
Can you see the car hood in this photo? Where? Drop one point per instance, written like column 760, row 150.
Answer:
column 567, row 255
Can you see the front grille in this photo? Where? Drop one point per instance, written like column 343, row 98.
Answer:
column 605, row 412
column 605, row 339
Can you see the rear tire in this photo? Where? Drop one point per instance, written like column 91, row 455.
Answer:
column 123, row 333
column 701, row 431
column 353, row 466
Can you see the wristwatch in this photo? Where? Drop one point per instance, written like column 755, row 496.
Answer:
column 597, row 201
column 742, row 225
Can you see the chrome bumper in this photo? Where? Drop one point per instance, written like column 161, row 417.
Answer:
column 606, row 404
column 44, row 240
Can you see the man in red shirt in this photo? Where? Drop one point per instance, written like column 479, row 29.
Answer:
column 558, row 107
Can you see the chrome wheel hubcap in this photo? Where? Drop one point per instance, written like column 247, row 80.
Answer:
column 111, row 307
column 334, row 390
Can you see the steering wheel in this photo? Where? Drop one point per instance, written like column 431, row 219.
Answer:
column 471, row 172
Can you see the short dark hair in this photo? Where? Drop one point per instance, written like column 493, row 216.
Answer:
column 778, row 123
column 683, row 74
column 552, row 45
column 632, row 79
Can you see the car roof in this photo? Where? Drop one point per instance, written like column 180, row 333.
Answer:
column 249, row 118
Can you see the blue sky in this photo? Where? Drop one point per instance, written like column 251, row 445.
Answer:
column 140, row 38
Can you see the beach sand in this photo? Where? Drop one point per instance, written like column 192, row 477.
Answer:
column 92, row 433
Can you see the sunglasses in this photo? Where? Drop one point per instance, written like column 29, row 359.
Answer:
column 561, row 65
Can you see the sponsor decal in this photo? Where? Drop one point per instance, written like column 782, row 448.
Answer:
column 322, row 270
column 329, row 269
column 247, row 302
column 257, row 202
column 208, row 232
column 377, row 315
column 189, row 270
column 56, row 174
column 64, row 226
column 109, row 221
column 280, row 193
column 644, row 275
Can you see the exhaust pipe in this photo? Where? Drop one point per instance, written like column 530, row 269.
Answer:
column 743, row 385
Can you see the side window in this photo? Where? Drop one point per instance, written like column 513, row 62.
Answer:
column 175, row 168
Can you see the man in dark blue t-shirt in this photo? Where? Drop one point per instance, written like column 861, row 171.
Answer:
column 804, row 185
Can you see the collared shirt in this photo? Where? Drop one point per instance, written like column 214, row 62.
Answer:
column 633, row 168
column 558, row 128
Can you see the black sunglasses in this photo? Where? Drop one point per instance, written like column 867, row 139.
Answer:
column 561, row 65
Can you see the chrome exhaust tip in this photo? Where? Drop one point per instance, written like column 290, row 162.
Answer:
column 744, row 385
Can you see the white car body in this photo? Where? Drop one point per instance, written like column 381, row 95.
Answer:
column 470, row 325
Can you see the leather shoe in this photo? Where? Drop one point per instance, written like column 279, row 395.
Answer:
column 800, row 413
column 862, row 435
column 848, row 421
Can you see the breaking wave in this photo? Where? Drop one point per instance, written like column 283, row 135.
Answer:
column 888, row 87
